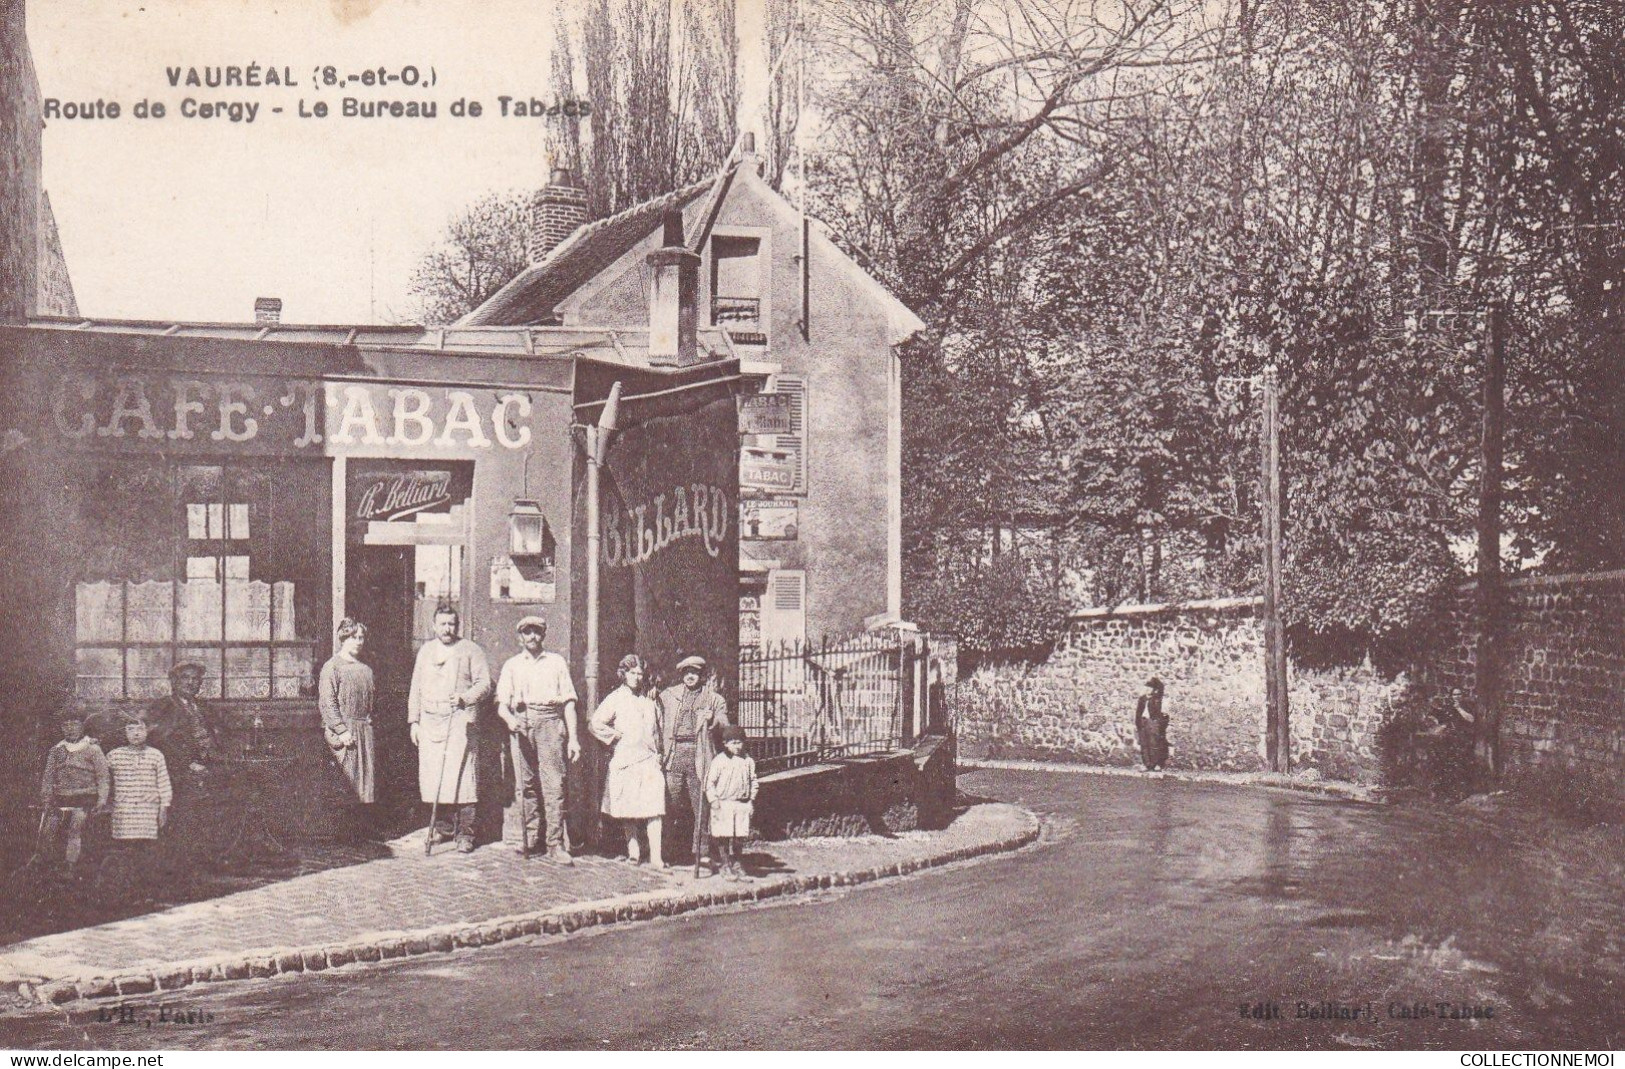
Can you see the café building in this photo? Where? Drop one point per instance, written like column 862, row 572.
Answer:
column 224, row 494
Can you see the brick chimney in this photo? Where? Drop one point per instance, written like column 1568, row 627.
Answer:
column 267, row 309
column 559, row 209
column 747, row 152
column 674, row 289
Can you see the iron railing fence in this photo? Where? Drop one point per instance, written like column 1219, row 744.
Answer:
column 801, row 703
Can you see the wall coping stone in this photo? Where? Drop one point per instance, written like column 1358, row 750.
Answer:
column 1159, row 608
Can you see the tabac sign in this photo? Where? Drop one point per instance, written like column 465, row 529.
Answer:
column 260, row 414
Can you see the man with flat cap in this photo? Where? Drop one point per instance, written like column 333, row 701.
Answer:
column 178, row 726
column 181, row 728
column 691, row 717
column 537, row 700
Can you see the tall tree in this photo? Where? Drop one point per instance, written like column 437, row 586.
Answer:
column 661, row 78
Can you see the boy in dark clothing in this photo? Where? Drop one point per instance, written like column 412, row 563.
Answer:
column 75, row 783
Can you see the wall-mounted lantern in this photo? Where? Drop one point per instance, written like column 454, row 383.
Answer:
column 528, row 535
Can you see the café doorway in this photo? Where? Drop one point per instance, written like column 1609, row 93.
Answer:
column 405, row 557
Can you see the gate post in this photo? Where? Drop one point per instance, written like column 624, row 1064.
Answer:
column 908, row 662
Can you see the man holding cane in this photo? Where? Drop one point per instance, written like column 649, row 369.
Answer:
column 691, row 717
column 450, row 680
column 537, row 700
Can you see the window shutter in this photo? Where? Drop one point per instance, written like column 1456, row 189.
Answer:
column 794, row 443
column 784, row 609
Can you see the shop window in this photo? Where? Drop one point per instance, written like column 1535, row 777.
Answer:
column 221, row 564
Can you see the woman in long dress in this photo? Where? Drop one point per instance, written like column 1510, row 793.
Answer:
column 635, row 787
column 345, row 693
column 1151, row 726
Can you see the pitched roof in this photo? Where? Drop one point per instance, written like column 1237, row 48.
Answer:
column 535, row 293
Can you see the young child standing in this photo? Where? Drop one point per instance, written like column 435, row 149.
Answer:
column 75, row 783
column 730, row 787
column 141, row 788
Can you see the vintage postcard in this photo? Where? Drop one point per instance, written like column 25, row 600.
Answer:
column 812, row 524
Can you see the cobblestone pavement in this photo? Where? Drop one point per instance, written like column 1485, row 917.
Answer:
column 1152, row 913
column 408, row 903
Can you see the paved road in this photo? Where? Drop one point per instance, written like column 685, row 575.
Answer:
column 1149, row 916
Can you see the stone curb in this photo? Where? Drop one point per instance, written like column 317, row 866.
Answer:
column 386, row 946
column 1350, row 792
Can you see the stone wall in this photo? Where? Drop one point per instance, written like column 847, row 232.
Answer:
column 1563, row 719
column 1078, row 705
column 1563, row 725
column 879, row 795
column 1338, row 717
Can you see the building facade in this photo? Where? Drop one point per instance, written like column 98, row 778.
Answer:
column 224, row 495
column 33, row 272
column 820, row 431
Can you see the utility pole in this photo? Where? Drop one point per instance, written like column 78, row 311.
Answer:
column 1277, row 722
column 1278, row 729
column 1487, row 669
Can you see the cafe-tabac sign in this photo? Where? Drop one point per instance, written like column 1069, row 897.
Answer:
column 260, row 414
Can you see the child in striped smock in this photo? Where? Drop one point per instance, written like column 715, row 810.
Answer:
column 141, row 788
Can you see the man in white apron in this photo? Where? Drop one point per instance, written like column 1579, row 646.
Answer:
column 451, row 679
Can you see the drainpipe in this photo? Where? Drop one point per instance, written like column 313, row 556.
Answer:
column 597, row 450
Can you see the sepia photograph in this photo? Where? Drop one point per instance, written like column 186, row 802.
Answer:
column 733, row 525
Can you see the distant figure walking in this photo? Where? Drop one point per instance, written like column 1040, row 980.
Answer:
column 1151, row 726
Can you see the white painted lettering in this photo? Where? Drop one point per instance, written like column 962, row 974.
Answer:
column 416, row 413
column 463, row 416
column 230, row 407
column 358, row 415
column 512, row 433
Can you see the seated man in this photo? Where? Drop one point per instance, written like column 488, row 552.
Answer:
column 180, row 725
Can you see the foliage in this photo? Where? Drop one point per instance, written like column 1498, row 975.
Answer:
column 482, row 248
column 999, row 610
column 1341, row 191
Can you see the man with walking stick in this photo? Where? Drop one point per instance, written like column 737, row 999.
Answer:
column 691, row 717
column 449, row 681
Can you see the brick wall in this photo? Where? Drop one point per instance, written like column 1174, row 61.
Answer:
column 1563, row 720
column 1079, row 703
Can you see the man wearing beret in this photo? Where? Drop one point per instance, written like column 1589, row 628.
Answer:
column 537, row 700
column 691, row 717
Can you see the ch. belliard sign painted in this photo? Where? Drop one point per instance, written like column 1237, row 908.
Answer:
column 396, row 496
column 132, row 410
column 635, row 535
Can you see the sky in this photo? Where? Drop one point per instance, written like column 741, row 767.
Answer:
column 192, row 218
